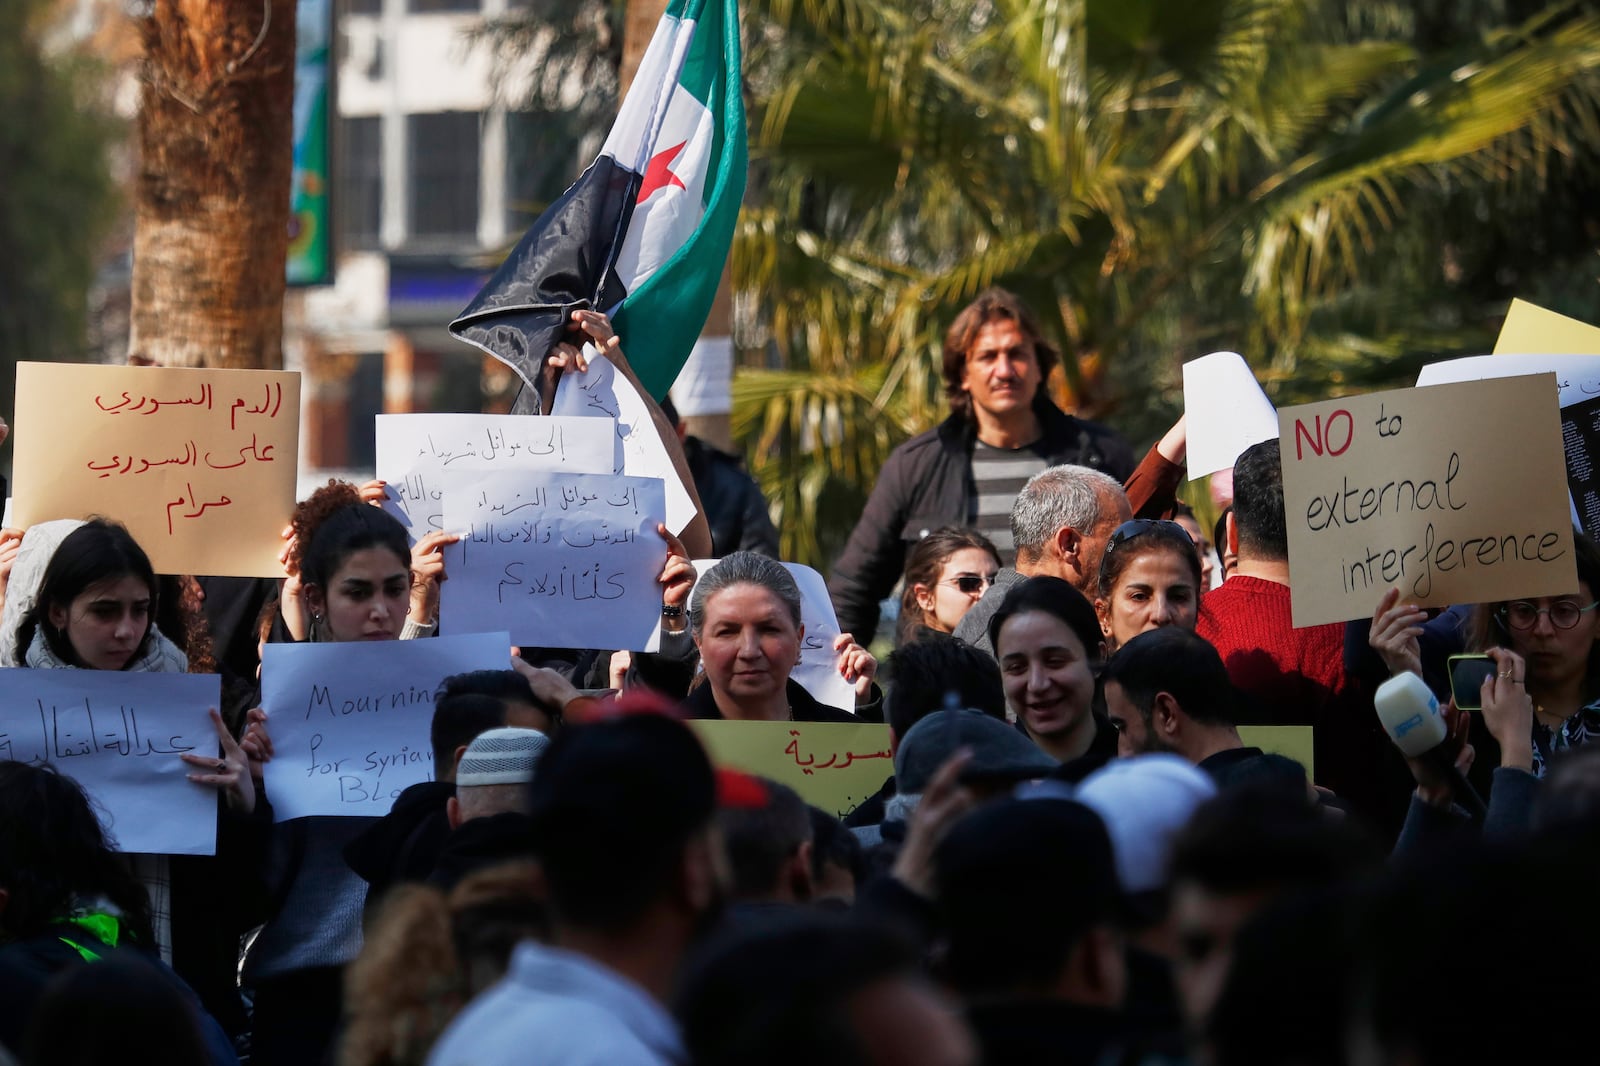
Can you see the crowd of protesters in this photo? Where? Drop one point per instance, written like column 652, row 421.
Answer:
column 1077, row 858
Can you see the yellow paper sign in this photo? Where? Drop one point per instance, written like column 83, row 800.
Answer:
column 833, row 765
column 1531, row 330
column 198, row 464
column 1290, row 741
column 1453, row 493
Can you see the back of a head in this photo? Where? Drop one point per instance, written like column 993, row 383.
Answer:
column 1176, row 661
column 1145, row 802
column 495, row 771
column 504, row 685
column 456, row 721
column 1061, row 496
column 996, row 752
column 53, row 851
column 779, row 993
column 925, row 674
column 1263, row 839
column 1258, row 512
column 762, row 841
column 613, row 807
column 834, row 845
column 1018, row 883
column 120, row 1009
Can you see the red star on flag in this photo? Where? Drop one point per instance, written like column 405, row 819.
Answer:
column 659, row 175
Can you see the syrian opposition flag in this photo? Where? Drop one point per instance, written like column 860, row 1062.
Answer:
column 644, row 233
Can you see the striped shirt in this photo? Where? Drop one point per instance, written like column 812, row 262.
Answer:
column 998, row 474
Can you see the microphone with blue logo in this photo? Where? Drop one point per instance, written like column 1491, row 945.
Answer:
column 1410, row 715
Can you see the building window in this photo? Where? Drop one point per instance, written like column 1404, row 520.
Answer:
column 424, row 6
column 443, row 161
column 360, row 199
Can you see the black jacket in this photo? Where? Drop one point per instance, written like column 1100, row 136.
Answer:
column 404, row 844
column 702, row 704
column 927, row 483
column 731, row 500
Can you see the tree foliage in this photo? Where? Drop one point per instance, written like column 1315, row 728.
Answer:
column 56, row 194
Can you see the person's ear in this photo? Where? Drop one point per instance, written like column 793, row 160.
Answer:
column 315, row 598
column 1068, row 543
column 800, row 880
column 699, row 876
column 924, row 596
column 452, row 812
column 1102, row 610
column 1233, row 534
column 455, row 760
column 1164, row 714
column 58, row 616
column 1105, row 967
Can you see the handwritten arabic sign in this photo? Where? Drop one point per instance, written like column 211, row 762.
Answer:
column 835, row 766
column 198, row 464
column 119, row 736
column 419, row 454
column 601, row 392
column 350, row 721
column 558, row 560
column 1409, row 488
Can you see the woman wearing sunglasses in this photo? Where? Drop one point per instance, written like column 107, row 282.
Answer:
column 947, row 572
column 1149, row 577
column 1555, row 637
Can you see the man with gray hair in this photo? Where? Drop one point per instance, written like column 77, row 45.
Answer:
column 1061, row 522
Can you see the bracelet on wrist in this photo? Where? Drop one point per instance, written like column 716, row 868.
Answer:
column 670, row 611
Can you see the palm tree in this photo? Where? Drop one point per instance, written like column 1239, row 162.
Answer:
column 1157, row 180
column 212, row 211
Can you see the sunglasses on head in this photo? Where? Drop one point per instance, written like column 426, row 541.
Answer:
column 1138, row 527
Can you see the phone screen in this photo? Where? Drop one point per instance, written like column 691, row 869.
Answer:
column 1467, row 673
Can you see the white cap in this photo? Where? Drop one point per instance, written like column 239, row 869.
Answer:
column 505, row 756
column 1144, row 801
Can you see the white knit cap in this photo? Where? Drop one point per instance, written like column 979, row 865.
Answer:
column 505, row 756
column 1144, row 801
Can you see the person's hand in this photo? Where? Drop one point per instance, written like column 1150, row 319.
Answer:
column 1395, row 629
column 374, row 492
column 1174, row 446
column 856, row 665
column 1433, row 787
column 10, row 545
column 677, row 575
column 592, row 326
column 617, row 668
column 943, row 803
column 230, row 775
column 291, row 593
column 1508, row 709
column 548, row 687
column 427, row 572
column 256, row 742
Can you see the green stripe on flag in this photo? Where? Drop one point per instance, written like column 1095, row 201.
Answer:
column 660, row 321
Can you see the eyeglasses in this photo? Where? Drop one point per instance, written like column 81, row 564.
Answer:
column 1522, row 615
column 971, row 584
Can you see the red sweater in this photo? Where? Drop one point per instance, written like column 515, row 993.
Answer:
column 1293, row 674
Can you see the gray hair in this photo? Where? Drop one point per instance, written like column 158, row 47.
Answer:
column 743, row 568
column 1057, row 497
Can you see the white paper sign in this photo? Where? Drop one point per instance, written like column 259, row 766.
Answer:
column 350, row 721
column 601, row 391
column 1577, row 376
column 558, row 560
column 418, row 453
column 1227, row 412
column 818, row 671
column 119, row 735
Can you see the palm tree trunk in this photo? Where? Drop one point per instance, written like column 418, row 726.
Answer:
column 212, row 216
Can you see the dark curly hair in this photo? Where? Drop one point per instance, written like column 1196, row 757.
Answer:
column 332, row 524
column 53, row 851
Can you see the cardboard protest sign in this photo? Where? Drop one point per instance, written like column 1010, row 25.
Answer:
column 350, row 721
column 1291, row 741
column 1453, row 493
column 601, row 392
column 1226, row 412
column 1578, row 385
column 419, row 454
column 833, row 765
column 1530, row 328
column 198, row 464
column 119, row 735
column 558, row 560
